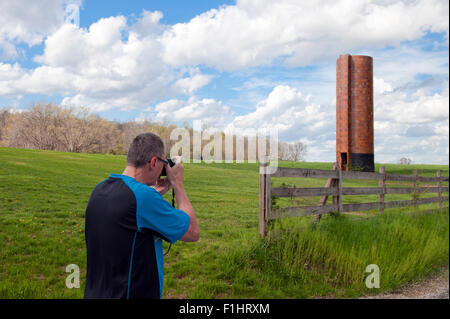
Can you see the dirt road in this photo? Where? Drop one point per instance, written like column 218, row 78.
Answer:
column 436, row 287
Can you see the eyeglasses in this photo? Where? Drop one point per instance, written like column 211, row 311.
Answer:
column 164, row 161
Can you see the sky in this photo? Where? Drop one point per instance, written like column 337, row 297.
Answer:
column 236, row 65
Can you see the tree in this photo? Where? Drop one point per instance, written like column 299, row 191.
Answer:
column 132, row 129
column 405, row 161
column 298, row 151
column 291, row 151
column 33, row 129
column 50, row 127
column 4, row 115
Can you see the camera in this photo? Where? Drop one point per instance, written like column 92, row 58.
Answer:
column 171, row 163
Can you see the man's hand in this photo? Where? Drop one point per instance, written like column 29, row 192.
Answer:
column 175, row 174
column 162, row 185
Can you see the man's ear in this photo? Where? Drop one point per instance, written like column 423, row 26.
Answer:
column 152, row 162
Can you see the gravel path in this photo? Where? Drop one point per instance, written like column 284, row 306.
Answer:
column 436, row 287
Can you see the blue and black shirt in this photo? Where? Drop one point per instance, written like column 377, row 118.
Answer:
column 126, row 222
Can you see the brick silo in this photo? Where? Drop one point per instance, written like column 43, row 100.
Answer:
column 354, row 113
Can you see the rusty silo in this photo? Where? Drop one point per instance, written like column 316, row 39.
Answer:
column 354, row 113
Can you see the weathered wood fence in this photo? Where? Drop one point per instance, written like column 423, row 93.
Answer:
column 334, row 188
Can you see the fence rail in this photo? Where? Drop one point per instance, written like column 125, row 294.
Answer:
column 323, row 191
column 334, row 188
column 319, row 173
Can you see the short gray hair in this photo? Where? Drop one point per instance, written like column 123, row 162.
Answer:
column 143, row 148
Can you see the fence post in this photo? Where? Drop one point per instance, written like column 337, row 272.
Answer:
column 340, row 206
column 335, row 183
column 268, row 200
column 416, row 195
column 331, row 182
column 263, row 199
column 381, row 184
column 439, row 185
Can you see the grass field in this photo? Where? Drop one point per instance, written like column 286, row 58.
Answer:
column 43, row 196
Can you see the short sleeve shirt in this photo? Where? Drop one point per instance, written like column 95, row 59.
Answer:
column 126, row 222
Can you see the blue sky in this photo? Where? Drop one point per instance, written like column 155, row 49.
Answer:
column 174, row 11
column 236, row 65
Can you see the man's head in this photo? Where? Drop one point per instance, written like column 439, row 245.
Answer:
column 143, row 155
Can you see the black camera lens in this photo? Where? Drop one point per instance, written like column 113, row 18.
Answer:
column 171, row 163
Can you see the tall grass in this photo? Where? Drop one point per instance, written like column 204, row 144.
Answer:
column 330, row 259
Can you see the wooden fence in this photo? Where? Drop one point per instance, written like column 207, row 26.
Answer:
column 334, row 188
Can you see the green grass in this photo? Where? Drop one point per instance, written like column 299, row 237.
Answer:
column 330, row 259
column 43, row 196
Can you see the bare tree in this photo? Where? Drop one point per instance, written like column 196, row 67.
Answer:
column 4, row 115
column 132, row 129
column 103, row 137
column 405, row 161
column 163, row 130
column 34, row 129
column 49, row 127
column 282, row 150
column 298, row 151
column 295, row 152
column 72, row 129
column 52, row 127
column 88, row 133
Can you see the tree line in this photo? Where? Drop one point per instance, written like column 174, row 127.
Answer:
column 52, row 127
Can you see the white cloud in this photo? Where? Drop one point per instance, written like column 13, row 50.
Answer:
column 109, row 65
column 402, row 65
column 294, row 115
column 410, row 124
column 211, row 112
column 320, row 150
column 288, row 110
column 380, row 86
column 253, row 33
column 148, row 24
column 196, row 80
column 28, row 22
column 400, row 107
column 167, row 106
column 297, row 117
column 414, row 125
column 441, row 130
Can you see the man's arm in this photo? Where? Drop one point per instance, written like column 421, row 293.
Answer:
column 184, row 204
column 175, row 175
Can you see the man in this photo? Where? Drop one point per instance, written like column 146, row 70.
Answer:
column 127, row 219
